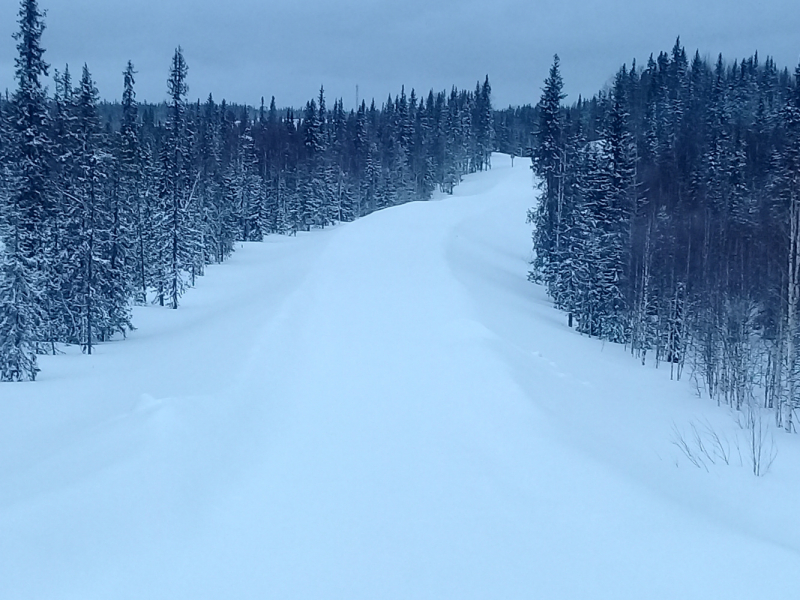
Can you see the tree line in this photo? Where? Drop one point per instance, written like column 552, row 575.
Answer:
column 515, row 129
column 669, row 219
column 108, row 205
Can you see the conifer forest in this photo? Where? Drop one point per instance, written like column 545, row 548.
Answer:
column 109, row 204
column 669, row 220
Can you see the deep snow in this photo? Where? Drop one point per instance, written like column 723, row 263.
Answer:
column 384, row 409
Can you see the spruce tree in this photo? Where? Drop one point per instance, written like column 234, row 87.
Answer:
column 60, row 310
column 313, row 181
column 28, row 206
column 131, row 161
column 17, row 317
column 173, row 227
column 616, row 213
column 485, row 135
column 95, row 223
column 549, row 167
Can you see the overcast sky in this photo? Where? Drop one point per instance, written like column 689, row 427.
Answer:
column 245, row 49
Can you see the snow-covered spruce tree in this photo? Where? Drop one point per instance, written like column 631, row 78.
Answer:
column 131, row 162
column 215, row 214
column 195, row 209
column 313, row 194
column 549, row 167
column 293, row 203
column 436, row 116
column 342, row 199
column 17, row 358
column 421, row 161
column 120, row 249
column 570, row 256
column 360, row 155
column 61, row 316
column 99, row 284
column 173, row 227
column 326, row 166
column 250, row 207
column 274, row 163
column 261, row 130
column 27, row 206
column 615, row 216
column 466, row 102
column 371, row 178
column 326, row 159
column 585, row 241
column 483, row 122
column 401, row 125
column 223, row 162
column 453, row 158
column 397, row 180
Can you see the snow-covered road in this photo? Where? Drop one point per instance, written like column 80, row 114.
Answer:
column 385, row 409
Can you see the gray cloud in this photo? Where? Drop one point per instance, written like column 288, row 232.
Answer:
column 247, row 49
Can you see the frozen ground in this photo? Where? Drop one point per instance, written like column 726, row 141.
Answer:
column 385, row 409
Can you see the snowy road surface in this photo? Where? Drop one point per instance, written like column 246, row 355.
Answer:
column 386, row 409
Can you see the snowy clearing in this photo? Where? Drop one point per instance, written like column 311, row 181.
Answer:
column 384, row 409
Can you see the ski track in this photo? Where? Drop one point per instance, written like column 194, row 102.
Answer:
column 382, row 409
